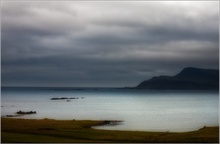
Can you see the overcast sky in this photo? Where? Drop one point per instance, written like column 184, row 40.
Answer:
column 107, row 44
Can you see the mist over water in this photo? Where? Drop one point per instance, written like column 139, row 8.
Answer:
column 140, row 110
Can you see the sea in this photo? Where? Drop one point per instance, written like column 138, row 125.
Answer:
column 140, row 110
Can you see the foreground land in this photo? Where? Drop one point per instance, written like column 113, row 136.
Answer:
column 47, row 130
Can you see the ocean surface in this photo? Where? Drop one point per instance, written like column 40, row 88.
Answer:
column 141, row 110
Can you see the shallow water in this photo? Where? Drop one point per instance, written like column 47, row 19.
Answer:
column 147, row 110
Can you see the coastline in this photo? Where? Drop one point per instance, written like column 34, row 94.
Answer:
column 50, row 130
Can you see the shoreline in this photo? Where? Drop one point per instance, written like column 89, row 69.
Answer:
column 106, row 123
column 49, row 130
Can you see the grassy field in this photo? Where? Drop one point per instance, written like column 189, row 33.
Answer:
column 70, row 131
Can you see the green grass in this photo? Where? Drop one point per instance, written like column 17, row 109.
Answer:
column 70, row 131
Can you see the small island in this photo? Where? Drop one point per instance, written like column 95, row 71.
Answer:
column 65, row 98
column 26, row 112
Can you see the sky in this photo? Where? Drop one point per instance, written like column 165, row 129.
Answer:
column 105, row 44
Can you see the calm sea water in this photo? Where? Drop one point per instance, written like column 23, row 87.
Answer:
column 140, row 110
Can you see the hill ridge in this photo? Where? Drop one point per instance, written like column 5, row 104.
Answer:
column 189, row 78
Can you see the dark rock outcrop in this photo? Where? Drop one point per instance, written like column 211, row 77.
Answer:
column 64, row 98
column 188, row 79
column 26, row 112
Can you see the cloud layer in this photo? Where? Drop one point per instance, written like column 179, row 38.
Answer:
column 105, row 43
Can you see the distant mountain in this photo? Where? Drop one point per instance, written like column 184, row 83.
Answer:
column 188, row 79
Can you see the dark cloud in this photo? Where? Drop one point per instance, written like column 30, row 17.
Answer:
column 105, row 43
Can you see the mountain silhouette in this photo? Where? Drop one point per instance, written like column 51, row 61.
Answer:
column 188, row 79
